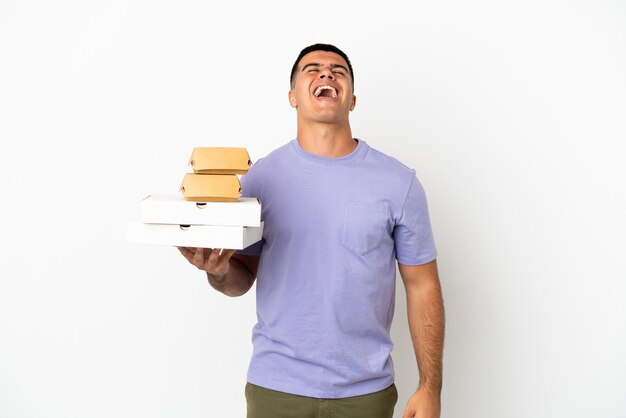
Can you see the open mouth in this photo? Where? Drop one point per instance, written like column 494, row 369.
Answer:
column 325, row 91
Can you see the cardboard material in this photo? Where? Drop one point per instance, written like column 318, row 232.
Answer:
column 211, row 188
column 174, row 209
column 215, row 160
column 199, row 236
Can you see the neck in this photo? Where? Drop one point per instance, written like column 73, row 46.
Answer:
column 326, row 140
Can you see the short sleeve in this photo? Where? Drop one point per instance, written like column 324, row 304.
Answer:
column 413, row 235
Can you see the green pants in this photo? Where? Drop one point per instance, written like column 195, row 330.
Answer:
column 266, row 403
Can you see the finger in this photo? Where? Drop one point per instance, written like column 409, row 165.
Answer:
column 227, row 254
column 224, row 258
column 198, row 257
column 186, row 252
column 214, row 256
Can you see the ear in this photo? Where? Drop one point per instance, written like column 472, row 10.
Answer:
column 292, row 99
column 353, row 103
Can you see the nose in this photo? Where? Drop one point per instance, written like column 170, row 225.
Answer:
column 327, row 73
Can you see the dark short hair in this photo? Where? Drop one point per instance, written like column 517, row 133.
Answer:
column 320, row 47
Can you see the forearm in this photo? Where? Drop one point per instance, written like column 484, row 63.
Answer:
column 237, row 281
column 427, row 324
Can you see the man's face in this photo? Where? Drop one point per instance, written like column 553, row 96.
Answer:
column 322, row 88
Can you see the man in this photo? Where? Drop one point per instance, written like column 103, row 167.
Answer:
column 338, row 214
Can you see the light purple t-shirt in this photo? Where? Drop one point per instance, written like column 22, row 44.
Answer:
column 334, row 228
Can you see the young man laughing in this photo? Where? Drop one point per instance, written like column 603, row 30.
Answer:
column 338, row 217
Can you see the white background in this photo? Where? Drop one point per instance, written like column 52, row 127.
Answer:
column 512, row 113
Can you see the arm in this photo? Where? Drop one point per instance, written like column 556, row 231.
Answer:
column 229, row 273
column 426, row 324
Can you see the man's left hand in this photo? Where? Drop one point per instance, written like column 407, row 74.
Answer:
column 423, row 404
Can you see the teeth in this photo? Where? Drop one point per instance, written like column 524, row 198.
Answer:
column 320, row 88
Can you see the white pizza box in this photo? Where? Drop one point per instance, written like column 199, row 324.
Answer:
column 200, row 236
column 174, row 209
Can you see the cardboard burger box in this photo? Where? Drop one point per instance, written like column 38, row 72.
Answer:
column 174, row 209
column 211, row 187
column 199, row 236
column 216, row 160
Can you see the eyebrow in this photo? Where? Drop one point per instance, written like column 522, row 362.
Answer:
column 315, row 64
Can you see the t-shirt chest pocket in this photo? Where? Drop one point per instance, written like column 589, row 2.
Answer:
column 364, row 227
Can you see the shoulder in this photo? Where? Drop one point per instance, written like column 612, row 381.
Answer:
column 389, row 165
column 263, row 170
column 274, row 157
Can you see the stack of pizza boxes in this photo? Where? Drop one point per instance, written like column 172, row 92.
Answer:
column 208, row 211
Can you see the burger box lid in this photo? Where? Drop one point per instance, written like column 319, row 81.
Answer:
column 199, row 236
column 216, row 160
column 211, row 187
column 174, row 209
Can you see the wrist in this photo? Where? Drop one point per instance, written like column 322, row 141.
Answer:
column 215, row 279
column 430, row 388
